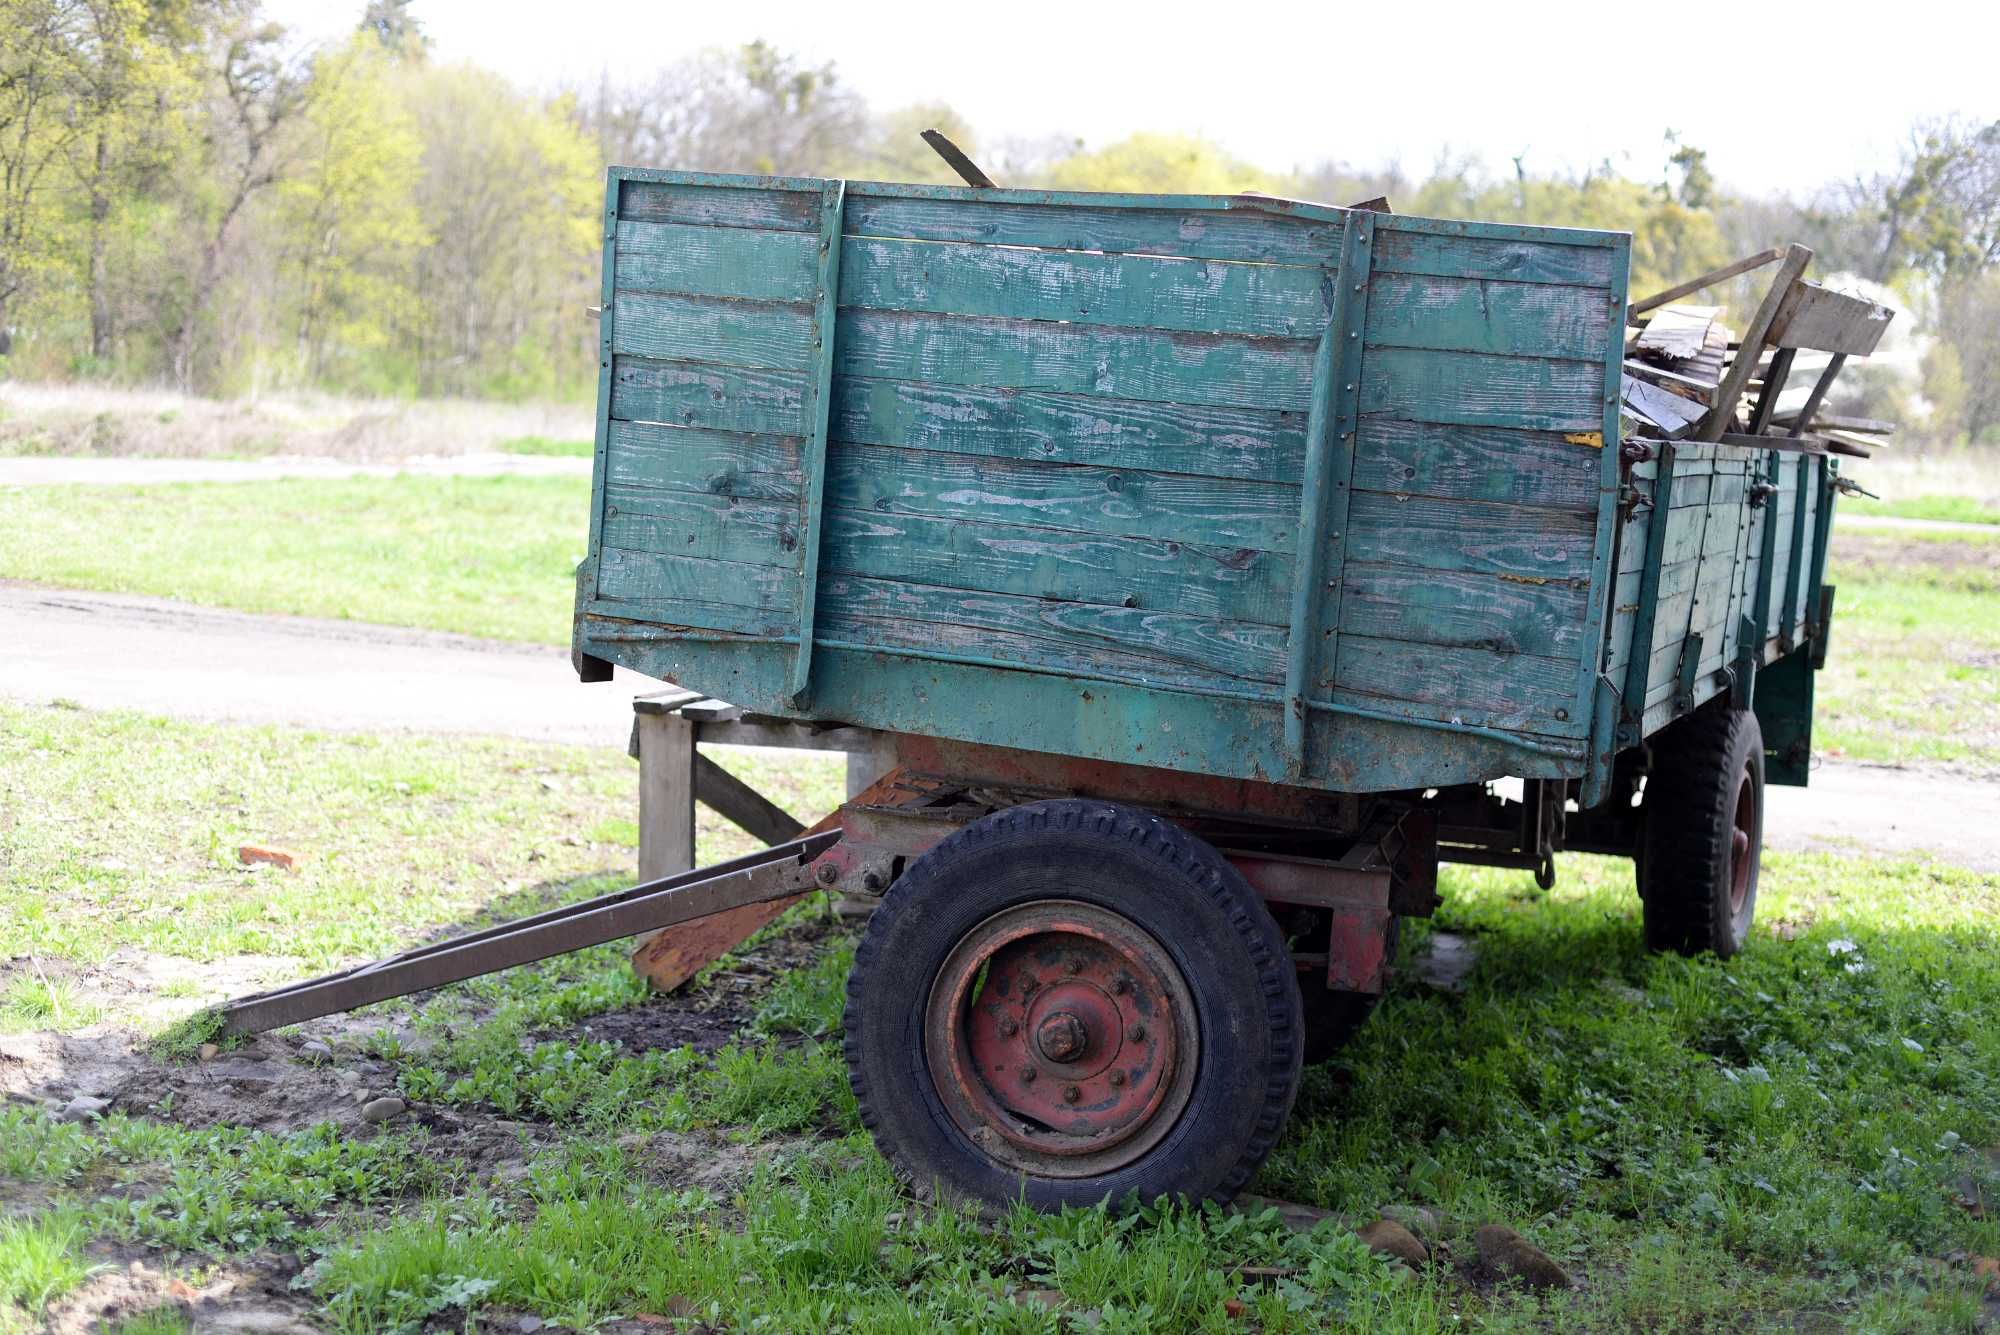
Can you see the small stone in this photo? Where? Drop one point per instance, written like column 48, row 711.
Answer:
column 382, row 1109
column 317, row 1049
column 1386, row 1237
column 83, row 1108
column 1298, row 1218
column 528, row 1325
column 1509, row 1255
column 208, row 1052
column 1419, row 1219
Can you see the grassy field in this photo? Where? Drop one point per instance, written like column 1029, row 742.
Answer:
column 1800, row 1138
column 119, row 838
column 1914, row 675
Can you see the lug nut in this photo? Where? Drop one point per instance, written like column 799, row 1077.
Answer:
column 1027, row 1075
column 1121, row 985
column 1074, row 966
column 1117, row 1078
column 1029, row 984
column 1137, row 1033
column 1008, row 1028
column 1071, row 1093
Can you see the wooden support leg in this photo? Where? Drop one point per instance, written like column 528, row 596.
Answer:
column 669, row 958
column 666, row 795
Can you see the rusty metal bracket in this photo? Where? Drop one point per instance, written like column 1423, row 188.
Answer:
column 1684, row 675
column 773, row 873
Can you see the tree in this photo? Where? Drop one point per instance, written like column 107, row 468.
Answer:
column 346, row 214
column 41, row 81
column 1937, row 213
column 257, row 93
column 1969, row 322
column 756, row 109
column 1147, row 163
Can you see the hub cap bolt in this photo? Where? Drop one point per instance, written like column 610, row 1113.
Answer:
column 1117, row 1078
column 1074, row 966
column 1008, row 1028
column 1027, row 1075
column 1071, row 1093
column 1121, row 986
column 1061, row 1037
column 1137, row 1033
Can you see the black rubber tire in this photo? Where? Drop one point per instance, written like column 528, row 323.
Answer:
column 1685, row 870
column 1178, row 889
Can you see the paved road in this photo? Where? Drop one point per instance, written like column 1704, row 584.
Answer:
column 43, row 471
column 118, row 651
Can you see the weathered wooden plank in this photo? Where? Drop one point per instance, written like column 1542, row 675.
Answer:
column 702, row 394
column 1463, row 610
column 1827, row 321
column 643, row 455
column 1127, row 643
column 1225, row 369
column 1478, row 389
column 1074, row 498
column 1475, row 464
column 697, row 525
column 1201, row 296
column 715, row 261
column 1512, row 540
column 1414, row 252
column 685, row 591
column 1247, row 443
column 1479, row 315
column 1709, row 279
column 1236, row 583
column 1474, row 686
column 713, row 206
column 759, row 335
column 1238, row 234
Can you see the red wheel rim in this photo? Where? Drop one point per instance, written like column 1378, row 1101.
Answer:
column 1061, row 1038
column 1742, row 841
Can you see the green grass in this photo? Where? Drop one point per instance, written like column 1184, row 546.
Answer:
column 482, row 556
column 1956, row 509
column 1914, row 668
column 581, row 449
column 40, row 1260
column 122, row 830
column 1781, row 1139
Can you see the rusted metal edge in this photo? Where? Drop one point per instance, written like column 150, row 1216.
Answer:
column 773, row 873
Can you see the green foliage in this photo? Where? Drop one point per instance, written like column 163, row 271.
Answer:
column 1152, row 163
column 40, row 1260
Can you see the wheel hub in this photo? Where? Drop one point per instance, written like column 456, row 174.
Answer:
column 1061, row 1038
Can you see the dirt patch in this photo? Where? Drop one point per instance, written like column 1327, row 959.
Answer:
column 714, row 1012
column 1974, row 566
column 247, row 1295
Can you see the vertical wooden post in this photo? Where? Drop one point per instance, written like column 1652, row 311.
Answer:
column 666, row 795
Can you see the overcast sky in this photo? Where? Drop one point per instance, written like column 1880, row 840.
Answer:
column 1783, row 97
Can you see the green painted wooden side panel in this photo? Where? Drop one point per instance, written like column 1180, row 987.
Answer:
column 1230, row 583
column 1475, row 315
column 1188, row 232
column 1146, row 292
column 1065, row 438
column 1075, row 498
column 1470, row 463
column 1225, row 370
column 1254, row 443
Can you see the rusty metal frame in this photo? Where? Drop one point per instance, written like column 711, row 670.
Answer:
column 773, row 873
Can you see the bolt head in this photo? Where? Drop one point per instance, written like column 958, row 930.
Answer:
column 1008, row 1028
column 1062, row 1037
column 1027, row 1075
column 1071, row 1093
column 1117, row 1079
column 1073, row 966
column 1137, row 1031
column 1121, row 985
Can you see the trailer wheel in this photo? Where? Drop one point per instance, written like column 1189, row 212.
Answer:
column 1072, row 1002
column 1704, row 833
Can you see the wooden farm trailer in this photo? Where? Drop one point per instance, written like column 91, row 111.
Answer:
column 1203, row 564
